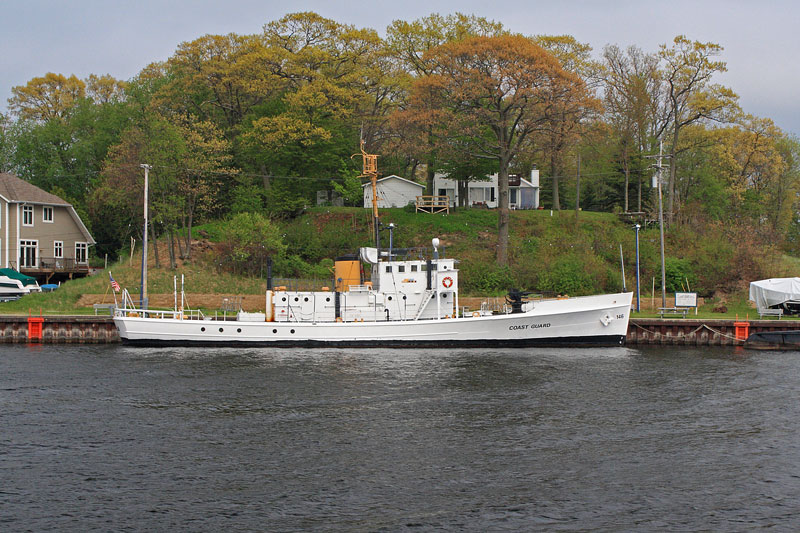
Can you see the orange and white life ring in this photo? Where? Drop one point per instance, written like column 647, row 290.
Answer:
column 447, row 282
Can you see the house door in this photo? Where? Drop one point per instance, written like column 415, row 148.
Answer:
column 28, row 254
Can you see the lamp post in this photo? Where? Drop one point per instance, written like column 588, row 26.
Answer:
column 638, row 306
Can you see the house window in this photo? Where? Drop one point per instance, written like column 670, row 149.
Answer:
column 27, row 215
column 81, row 252
column 58, row 249
column 513, row 192
column 47, row 214
column 28, row 250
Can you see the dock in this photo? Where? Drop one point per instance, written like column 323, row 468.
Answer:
column 88, row 329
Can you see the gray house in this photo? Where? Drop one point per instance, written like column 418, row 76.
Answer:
column 41, row 235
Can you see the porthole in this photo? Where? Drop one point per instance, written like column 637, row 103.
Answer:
column 328, row 299
column 202, row 329
column 274, row 331
column 444, row 295
column 238, row 330
column 405, row 297
column 296, row 299
column 292, row 331
column 221, row 330
column 390, row 298
column 305, row 299
column 283, row 299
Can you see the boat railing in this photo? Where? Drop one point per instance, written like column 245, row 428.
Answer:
column 128, row 309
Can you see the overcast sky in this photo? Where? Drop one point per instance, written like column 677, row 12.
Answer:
column 83, row 37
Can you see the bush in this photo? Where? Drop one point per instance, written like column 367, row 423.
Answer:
column 570, row 274
column 249, row 239
column 677, row 272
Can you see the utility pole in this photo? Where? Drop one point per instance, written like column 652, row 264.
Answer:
column 143, row 287
column 659, row 169
column 638, row 306
column 578, row 191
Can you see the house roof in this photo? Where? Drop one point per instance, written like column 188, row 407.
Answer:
column 395, row 177
column 18, row 191
column 15, row 190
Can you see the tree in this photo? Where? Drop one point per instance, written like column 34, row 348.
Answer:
column 491, row 94
column 408, row 43
column 687, row 72
column 250, row 239
column 48, row 97
column 631, row 93
column 562, row 131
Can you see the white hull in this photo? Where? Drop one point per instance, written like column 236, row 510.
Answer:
column 592, row 320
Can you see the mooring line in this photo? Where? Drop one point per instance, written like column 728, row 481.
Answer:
column 683, row 335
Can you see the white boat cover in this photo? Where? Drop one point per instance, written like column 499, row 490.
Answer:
column 775, row 291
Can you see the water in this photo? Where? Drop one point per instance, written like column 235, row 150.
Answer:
column 124, row 439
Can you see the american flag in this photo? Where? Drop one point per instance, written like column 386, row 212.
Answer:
column 114, row 284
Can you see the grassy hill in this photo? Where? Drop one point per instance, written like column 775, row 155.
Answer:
column 552, row 253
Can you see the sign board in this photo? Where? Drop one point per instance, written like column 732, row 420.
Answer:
column 685, row 299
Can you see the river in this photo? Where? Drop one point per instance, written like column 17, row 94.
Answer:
column 115, row 438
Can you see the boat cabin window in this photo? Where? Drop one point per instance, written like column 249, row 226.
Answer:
column 388, row 268
column 401, row 268
column 413, row 268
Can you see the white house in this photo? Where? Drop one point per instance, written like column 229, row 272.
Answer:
column 523, row 193
column 393, row 191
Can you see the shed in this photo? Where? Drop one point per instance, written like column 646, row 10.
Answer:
column 393, row 191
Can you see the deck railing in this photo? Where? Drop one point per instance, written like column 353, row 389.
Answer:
column 433, row 204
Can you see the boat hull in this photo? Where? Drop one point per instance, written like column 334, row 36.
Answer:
column 587, row 321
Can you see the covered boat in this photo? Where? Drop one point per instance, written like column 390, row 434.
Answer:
column 776, row 293
column 13, row 284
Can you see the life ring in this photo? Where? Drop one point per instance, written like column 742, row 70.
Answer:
column 475, row 314
column 447, row 282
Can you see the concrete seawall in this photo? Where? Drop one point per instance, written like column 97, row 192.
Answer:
column 58, row 329
column 81, row 329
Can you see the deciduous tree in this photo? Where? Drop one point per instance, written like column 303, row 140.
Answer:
column 491, row 94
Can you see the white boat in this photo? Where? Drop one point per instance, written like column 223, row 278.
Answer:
column 14, row 285
column 776, row 293
column 408, row 302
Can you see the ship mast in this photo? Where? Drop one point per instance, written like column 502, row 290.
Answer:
column 370, row 170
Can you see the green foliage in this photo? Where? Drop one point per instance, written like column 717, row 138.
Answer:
column 489, row 279
column 569, row 274
column 247, row 199
column 283, row 202
column 350, row 188
column 249, row 239
column 677, row 272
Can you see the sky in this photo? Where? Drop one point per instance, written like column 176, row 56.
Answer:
column 120, row 37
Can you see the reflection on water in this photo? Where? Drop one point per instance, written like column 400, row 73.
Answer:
column 292, row 439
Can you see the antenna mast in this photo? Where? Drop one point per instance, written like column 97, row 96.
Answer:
column 370, row 170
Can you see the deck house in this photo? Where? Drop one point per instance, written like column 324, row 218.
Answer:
column 41, row 235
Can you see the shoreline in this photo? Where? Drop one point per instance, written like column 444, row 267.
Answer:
column 90, row 329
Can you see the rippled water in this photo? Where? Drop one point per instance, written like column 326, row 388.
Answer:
column 114, row 438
